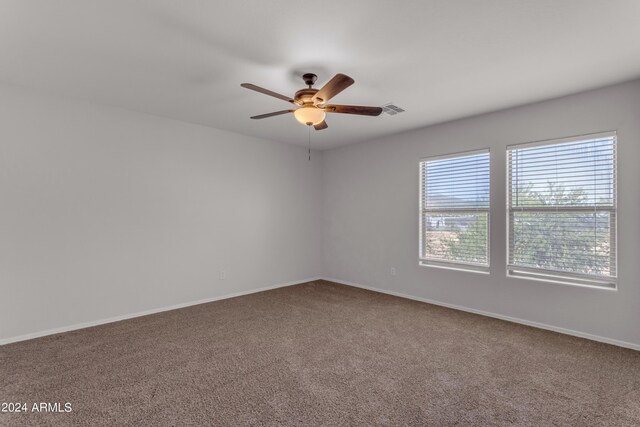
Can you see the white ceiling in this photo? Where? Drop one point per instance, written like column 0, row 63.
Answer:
column 440, row 60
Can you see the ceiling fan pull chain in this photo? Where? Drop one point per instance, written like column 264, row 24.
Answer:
column 309, row 142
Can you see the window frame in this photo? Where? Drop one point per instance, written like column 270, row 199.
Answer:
column 453, row 265
column 550, row 276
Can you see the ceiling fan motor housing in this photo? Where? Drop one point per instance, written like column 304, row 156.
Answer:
column 305, row 96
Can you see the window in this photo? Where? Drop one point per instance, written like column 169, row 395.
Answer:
column 561, row 201
column 454, row 211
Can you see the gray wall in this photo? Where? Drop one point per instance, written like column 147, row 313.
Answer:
column 106, row 213
column 370, row 193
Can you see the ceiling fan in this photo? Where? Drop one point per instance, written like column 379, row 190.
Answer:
column 313, row 102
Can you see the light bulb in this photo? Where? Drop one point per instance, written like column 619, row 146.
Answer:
column 309, row 115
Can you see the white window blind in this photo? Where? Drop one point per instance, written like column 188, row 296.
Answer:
column 561, row 199
column 454, row 211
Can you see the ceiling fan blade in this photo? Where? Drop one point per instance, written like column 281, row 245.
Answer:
column 266, row 92
column 275, row 113
column 337, row 84
column 353, row 109
column 321, row 125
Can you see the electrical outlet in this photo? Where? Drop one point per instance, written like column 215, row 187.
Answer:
column 393, row 271
column 223, row 274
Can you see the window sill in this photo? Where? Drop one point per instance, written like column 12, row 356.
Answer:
column 456, row 267
column 561, row 280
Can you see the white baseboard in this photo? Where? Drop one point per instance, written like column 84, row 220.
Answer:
column 146, row 312
column 342, row 282
column 572, row 332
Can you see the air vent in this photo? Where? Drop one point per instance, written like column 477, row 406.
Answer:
column 392, row 109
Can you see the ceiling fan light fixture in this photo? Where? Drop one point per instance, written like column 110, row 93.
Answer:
column 313, row 102
column 309, row 116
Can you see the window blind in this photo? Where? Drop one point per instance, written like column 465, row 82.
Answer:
column 454, row 211
column 561, row 198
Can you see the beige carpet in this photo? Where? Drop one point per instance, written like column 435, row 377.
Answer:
column 320, row 354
